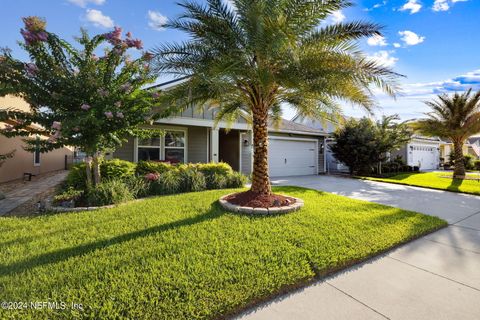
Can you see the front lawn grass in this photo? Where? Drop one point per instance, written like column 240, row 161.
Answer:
column 435, row 180
column 183, row 257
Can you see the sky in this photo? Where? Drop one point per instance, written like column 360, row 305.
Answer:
column 435, row 44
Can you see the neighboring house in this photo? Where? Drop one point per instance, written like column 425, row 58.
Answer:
column 294, row 149
column 471, row 146
column 24, row 161
column 420, row 151
column 423, row 152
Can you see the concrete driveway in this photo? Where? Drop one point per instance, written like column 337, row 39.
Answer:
column 435, row 277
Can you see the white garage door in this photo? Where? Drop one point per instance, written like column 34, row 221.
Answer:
column 288, row 157
column 424, row 156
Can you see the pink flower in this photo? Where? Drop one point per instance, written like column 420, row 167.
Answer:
column 156, row 94
column 120, row 115
column 152, row 176
column 147, row 56
column 102, row 92
column 31, row 69
column 114, row 37
column 109, row 114
column 56, row 125
column 85, row 106
column 34, row 30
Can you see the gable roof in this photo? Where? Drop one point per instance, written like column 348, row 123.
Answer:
column 290, row 126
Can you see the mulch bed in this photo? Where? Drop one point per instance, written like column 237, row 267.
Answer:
column 255, row 200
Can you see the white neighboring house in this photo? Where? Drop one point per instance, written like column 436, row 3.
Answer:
column 423, row 152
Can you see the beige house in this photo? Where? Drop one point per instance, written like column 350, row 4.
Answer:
column 24, row 161
column 471, row 146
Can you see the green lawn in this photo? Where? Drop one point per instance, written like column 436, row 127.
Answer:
column 435, row 180
column 183, row 257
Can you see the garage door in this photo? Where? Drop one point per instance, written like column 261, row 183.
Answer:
column 288, row 157
column 424, row 156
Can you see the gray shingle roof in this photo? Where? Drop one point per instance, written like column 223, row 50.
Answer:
column 290, row 126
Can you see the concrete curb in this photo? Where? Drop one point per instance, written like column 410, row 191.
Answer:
column 261, row 211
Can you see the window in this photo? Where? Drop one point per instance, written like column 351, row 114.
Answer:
column 175, row 146
column 36, row 153
column 170, row 147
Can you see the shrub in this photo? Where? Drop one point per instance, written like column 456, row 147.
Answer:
column 145, row 167
column 76, row 177
column 116, row 168
column 209, row 169
column 111, row 191
column 236, row 180
column 69, row 194
column 477, row 164
column 139, row 186
column 168, row 183
column 192, row 179
column 216, row 181
column 468, row 161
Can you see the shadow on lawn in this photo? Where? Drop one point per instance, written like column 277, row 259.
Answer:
column 64, row 254
column 455, row 185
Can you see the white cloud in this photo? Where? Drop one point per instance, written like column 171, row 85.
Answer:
column 384, row 58
column 377, row 41
column 336, row 17
column 397, row 45
column 411, row 5
column 444, row 5
column 84, row 3
column 156, row 20
column 98, row 19
column 376, row 6
column 411, row 38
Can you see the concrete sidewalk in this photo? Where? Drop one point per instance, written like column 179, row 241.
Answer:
column 435, row 277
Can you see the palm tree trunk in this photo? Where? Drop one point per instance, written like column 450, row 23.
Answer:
column 459, row 171
column 260, row 177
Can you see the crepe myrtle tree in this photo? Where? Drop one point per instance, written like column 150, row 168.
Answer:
column 250, row 57
column 77, row 98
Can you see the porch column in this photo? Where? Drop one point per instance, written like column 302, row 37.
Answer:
column 214, row 145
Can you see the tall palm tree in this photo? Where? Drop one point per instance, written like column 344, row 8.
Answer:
column 253, row 56
column 454, row 117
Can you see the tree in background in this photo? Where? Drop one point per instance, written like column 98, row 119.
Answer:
column 363, row 144
column 77, row 98
column 455, row 117
column 252, row 56
column 4, row 157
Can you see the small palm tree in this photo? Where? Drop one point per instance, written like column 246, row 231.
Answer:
column 253, row 56
column 454, row 117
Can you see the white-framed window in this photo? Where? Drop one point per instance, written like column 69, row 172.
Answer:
column 36, row 153
column 170, row 147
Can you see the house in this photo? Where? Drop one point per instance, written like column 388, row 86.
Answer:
column 422, row 152
column 24, row 161
column 191, row 136
column 471, row 146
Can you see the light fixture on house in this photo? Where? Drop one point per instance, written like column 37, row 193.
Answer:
column 246, row 143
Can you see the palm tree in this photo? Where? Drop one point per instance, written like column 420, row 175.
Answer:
column 253, row 56
column 454, row 117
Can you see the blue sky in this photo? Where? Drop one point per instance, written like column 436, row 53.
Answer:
column 434, row 43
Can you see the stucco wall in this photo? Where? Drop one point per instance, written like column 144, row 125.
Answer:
column 23, row 161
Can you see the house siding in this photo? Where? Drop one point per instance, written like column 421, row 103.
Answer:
column 126, row 150
column 246, row 154
column 197, row 144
